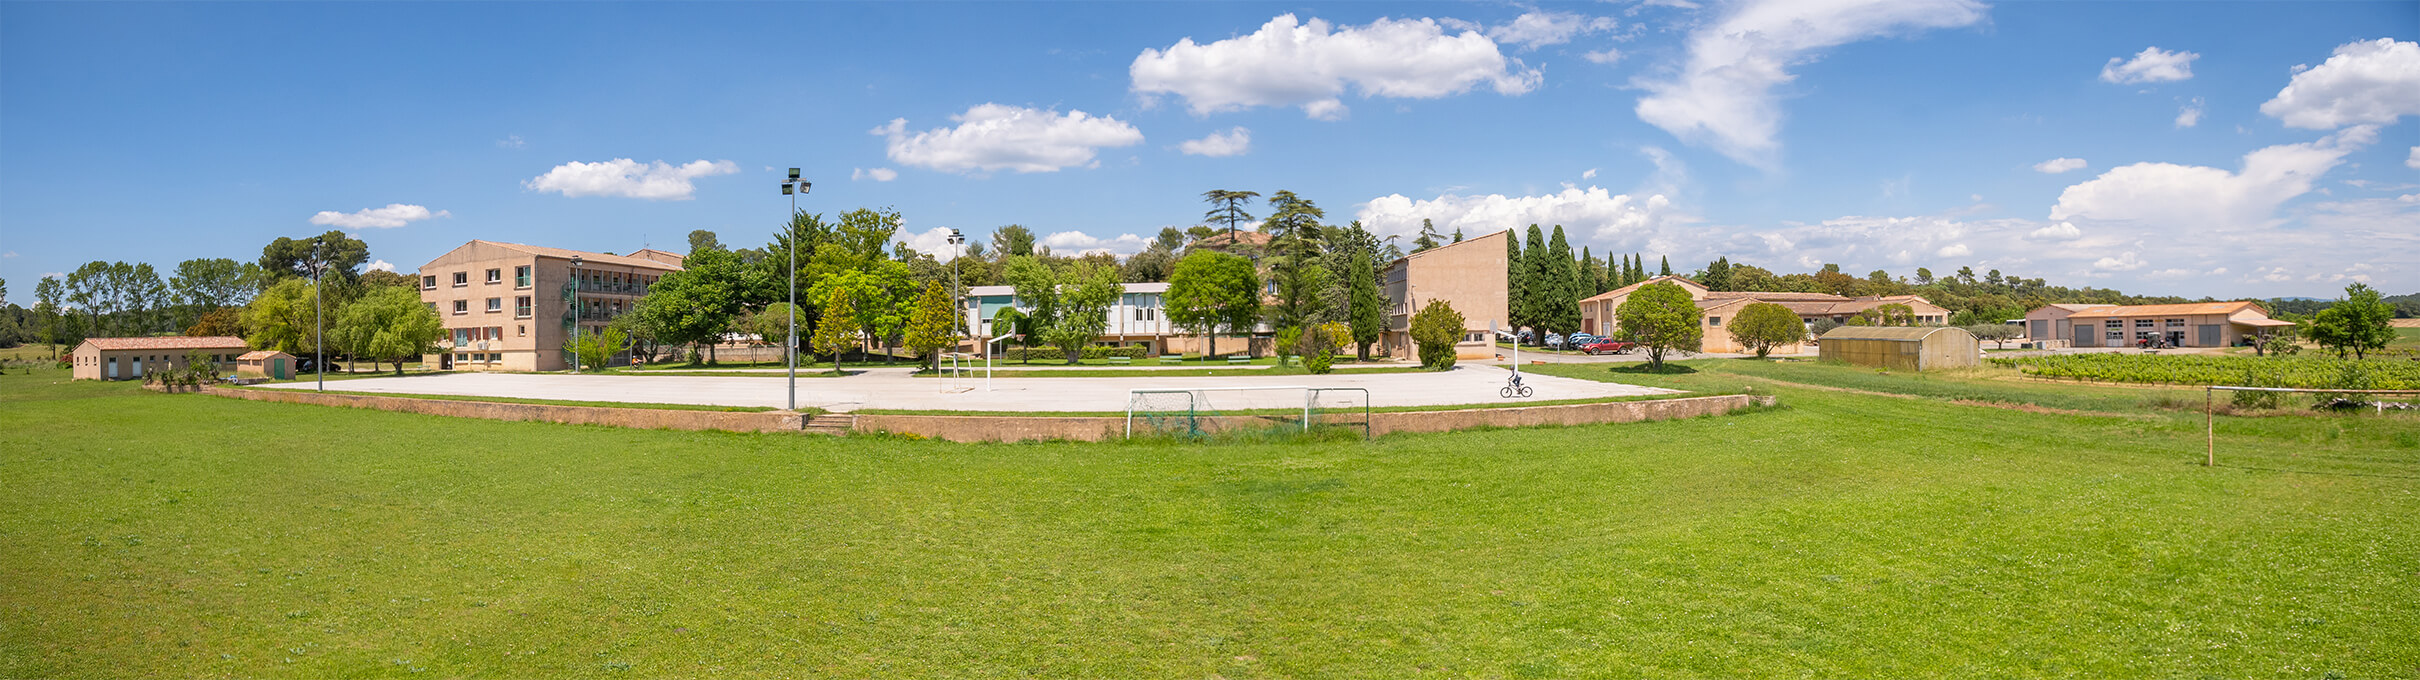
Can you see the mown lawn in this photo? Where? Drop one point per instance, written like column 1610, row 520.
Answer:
column 1844, row 535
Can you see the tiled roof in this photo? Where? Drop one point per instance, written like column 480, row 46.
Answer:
column 1625, row 290
column 2168, row 310
column 170, row 342
column 1776, row 296
column 259, row 354
column 585, row 256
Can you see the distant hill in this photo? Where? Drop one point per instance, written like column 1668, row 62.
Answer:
column 2406, row 306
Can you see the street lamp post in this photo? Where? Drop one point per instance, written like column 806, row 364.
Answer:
column 957, row 299
column 575, row 313
column 319, row 324
column 792, row 187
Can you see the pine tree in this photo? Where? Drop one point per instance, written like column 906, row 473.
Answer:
column 1427, row 238
column 1718, row 274
column 1457, row 234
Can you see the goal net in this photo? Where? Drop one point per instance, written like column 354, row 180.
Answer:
column 1204, row 411
column 2382, row 438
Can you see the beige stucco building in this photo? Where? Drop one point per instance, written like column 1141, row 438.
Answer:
column 1469, row 275
column 133, row 358
column 2195, row 324
column 508, row 306
column 1720, row 307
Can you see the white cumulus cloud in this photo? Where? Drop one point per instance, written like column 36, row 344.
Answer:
column 2190, row 114
column 2063, row 231
column 876, row 174
column 657, row 181
column 1596, row 214
column 393, row 215
column 2191, row 197
column 1233, row 142
column 2152, row 65
column 1000, row 137
column 934, row 242
column 2125, row 262
column 382, row 266
column 1723, row 96
column 1076, row 242
column 2373, row 81
column 1539, row 29
column 1606, row 56
column 1310, row 64
column 2414, row 161
column 2058, row 165
column 1954, row 250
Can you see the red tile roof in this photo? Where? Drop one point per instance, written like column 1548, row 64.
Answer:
column 2169, row 310
column 170, row 342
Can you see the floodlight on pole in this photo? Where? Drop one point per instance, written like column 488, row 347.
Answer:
column 792, row 187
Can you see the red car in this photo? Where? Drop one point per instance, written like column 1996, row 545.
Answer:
column 1606, row 347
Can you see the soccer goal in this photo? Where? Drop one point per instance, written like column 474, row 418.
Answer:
column 2267, row 397
column 1199, row 411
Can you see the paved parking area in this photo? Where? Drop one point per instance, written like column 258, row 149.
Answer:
column 894, row 388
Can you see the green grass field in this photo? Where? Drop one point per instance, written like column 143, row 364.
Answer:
column 1874, row 526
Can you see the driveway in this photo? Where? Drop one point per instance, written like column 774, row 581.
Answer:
column 894, row 388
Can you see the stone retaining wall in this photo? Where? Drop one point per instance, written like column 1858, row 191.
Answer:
column 643, row 418
column 1100, row 428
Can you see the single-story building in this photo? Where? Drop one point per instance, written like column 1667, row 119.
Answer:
column 1906, row 348
column 2193, row 324
column 1720, row 307
column 132, row 358
column 267, row 363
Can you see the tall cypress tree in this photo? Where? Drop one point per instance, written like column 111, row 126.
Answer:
column 1538, row 267
column 1667, row 266
column 1562, row 306
column 1513, row 280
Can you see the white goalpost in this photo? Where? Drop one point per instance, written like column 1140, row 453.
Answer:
column 1197, row 411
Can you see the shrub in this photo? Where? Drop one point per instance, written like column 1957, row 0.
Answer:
column 1764, row 326
column 1093, row 352
column 1436, row 328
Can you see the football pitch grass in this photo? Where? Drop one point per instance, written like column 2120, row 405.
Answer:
column 1883, row 526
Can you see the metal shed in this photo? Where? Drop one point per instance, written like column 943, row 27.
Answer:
column 1909, row 348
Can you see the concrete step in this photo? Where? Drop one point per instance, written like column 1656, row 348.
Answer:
column 831, row 423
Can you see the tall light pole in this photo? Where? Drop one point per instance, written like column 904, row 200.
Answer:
column 576, row 311
column 957, row 297
column 319, row 323
column 792, row 187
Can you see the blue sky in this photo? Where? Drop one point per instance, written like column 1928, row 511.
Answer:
column 2222, row 149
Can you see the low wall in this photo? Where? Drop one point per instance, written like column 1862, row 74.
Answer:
column 1100, row 428
column 644, row 418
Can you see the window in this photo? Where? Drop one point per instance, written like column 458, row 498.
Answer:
column 462, row 278
column 428, row 282
column 521, row 307
column 2114, row 324
column 2176, row 323
column 462, row 306
column 1714, row 321
column 2115, row 334
column 521, row 276
column 495, row 276
column 523, row 332
column 495, row 304
column 2144, row 323
column 462, row 336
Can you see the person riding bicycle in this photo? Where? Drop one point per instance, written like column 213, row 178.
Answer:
column 1516, row 379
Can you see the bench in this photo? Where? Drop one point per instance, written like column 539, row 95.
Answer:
column 1121, row 361
column 1172, row 359
column 1238, row 361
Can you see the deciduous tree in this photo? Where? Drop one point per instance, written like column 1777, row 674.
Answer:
column 1663, row 319
column 1436, row 328
column 1213, row 293
column 389, row 324
column 933, row 326
column 1762, row 326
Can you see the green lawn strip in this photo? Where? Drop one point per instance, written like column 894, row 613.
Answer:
column 803, row 372
column 149, row 535
column 553, row 402
column 1184, row 372
column 1990, row 385
column 1282, row 411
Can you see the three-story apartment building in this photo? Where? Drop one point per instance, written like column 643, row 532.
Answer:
column 512, row 307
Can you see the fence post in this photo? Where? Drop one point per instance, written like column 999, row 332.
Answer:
column 2209, row 428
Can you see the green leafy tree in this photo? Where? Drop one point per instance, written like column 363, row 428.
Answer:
column 701, row 240
column 839, row 332
column 1296, row 237
column 50, row 305
column 1227, row 207
column 388, row 324
column 281, row 318
column 2359, row 323
column 1083, row 309
column 1213, row 293
column 772, row 324
column 1718, row 275
column 336, row 253
column 1998, row 333
column 934, row 325
column 699, row 303
column 1013, row 241
column 1436, row 328
column 1666, row 269
column 1763, row 326
column 1516, row 283
column 879, row 298
column 1369, row 308
column 1427, row 238
column 1663, row 319
column 595, row 350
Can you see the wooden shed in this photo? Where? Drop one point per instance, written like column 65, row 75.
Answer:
column 1907, row 348
column 267, row 363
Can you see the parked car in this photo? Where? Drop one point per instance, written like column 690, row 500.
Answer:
column 1554, row 341
column 1605, row 346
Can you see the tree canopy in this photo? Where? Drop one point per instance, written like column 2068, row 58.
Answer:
column 1662, row 318
column 1762, row 326
column 1213, row 293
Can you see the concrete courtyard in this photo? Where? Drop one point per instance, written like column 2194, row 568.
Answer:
column 895, row 388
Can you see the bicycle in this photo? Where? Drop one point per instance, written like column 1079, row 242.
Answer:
column 1513, row 388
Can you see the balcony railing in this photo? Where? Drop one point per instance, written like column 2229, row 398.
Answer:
column 601, row 314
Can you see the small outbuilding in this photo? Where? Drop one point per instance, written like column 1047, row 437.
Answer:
column 133, row 358
column 267, row 363
column 1906, row 348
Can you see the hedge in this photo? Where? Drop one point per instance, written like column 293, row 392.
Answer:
column 1053, row 353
